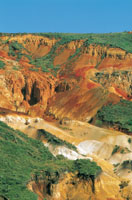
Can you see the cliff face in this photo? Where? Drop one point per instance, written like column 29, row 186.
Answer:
column 69, row 187
column 24, row 92
column 37, row 45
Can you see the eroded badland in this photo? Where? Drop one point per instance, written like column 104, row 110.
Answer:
column 66, row 116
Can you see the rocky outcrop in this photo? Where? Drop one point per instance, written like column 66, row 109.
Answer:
column 37, row 45
column 73, row 188
column 21, row 91
column 119, row 80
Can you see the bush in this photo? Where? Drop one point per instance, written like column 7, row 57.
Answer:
column 129, row 140
column 87, row 169
column 98, row 123
column 116, row 148
column 127, row 164
column 2, row 64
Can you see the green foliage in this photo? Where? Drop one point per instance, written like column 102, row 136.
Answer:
column 77, row 53
column 54, row 140
column 98, row 123
column 2, row 64
column 20, row 157
column 16, row 68
column 120, row 40
column 16, row 46
column 116, row 165
column 129, row 140
column 15, row 49
column 118, row 115
column 127, row 164
column 34, row 69
column 116, row 148
column 123, row 184
column 122, row 151
column 87, row 169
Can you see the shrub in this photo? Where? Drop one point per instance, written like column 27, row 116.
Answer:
column 2, row 64
column 129, row 140
column 87, row 169
column 123, row 184
column 127, row 164
column 98, row 123
column 122, row 151
column 116, row 148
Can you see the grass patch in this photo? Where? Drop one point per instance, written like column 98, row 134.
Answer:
column 52, row 139
column 129, row 140
column 117, row 116
column 2, row 64
column 116, row 148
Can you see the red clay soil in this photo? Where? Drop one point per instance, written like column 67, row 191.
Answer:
column 4, row 55
column 82, row 71
column 121, row 92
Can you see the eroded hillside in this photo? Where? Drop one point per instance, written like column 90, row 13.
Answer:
column 37, row 69
column 71, row 93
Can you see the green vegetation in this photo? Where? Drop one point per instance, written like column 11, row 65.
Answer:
column 54, row 140
column 123, row 184
column 34, row 69
column 23, row 159
column 116, row 148
column 121, row 40
column 129, row 140
column 86, row 168
column 77, row 53
column 122, row 151
column 116, row 165
column 2, row 64
column 127, row 164
column 20, row 157
column 16, row 68
column 118, row 115
column 13, row 47
column 98, row 123
column 83, row 168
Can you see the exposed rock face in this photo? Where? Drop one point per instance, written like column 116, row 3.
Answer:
column 21, row 91
column 121, row 81
column 73, row 188
column 37, row 45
